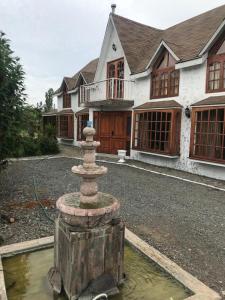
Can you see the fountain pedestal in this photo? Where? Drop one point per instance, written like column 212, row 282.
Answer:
column 89, row 235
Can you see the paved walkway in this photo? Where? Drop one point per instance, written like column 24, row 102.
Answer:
column 176, row 212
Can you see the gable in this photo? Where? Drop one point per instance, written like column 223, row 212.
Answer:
column 218, row 46
column 111, row 50
column 186, row 39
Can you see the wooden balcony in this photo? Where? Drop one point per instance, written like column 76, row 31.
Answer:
column 112, row 91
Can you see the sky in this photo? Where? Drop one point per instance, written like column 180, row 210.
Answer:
column 55, row 38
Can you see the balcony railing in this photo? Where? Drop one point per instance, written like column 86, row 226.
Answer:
column 109, row 89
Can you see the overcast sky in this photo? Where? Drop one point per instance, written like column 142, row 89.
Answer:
column 55, row 38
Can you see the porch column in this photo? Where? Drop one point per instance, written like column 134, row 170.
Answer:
column 91, row 115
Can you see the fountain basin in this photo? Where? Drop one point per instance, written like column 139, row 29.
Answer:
column 88, row 215
column 141, row 264
column 144, row 280
column 92, row 172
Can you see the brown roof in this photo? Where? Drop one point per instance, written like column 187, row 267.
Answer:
column 88, row 73
column 188, row 38
column 185, row 39
column 216, row 100
column 110, row 103
column 139, row 41
column 88, row 76
column 70, row 82
column 83, row 111
column 53, row 112
column 159, row 104
column 66, row 111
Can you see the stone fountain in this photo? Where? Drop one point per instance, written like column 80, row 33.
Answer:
column 89, row 234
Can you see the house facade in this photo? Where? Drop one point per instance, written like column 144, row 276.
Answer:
column 159, row 94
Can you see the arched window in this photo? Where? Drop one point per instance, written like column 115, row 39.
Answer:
column 216, row 67
column 165, row 79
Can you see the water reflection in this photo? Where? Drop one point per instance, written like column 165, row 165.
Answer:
column 26, row 278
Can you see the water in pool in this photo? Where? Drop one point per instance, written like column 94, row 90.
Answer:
column 25, row 276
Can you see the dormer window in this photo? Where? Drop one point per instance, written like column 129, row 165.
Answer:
column 216, row 68
column 165, row 79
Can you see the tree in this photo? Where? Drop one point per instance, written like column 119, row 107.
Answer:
column 12, row 98
column 49, row 100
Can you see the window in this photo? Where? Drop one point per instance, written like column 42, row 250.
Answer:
column 208, row 134
column 66, row 100
column 216, row 67
column 115, row 76
column 66, row 126
column 157, row 131
column 165, row 79
column 81, row 124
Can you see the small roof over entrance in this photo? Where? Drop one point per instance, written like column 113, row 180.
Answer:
column 169, row 104
column 210, row 101
column 84, row 111
column 53, row 112
column 66, row 112
column 110, row 103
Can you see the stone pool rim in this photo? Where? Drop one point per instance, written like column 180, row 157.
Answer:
column 200, row 290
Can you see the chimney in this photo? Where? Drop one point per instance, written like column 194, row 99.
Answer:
column 113, row 6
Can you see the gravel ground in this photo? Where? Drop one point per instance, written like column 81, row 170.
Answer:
column 185, row 221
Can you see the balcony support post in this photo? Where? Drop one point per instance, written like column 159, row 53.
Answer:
column 91, row 116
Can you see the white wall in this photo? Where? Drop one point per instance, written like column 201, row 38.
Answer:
column 59, row 102
column 192, row 89
column 108, row 54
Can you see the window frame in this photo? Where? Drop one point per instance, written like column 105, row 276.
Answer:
column 66, row 100
column 166, row 71
column 118, row 83
column 174, row 132
column 192, row 154
column 69, row 132
column 80, row 136
column 219, row 58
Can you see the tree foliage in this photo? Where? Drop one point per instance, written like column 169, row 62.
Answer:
column 20, row 124
column 49, row 100
column 12, row 98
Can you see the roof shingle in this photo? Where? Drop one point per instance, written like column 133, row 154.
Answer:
column 159, row 104
column 185, row 39
column 215, row 100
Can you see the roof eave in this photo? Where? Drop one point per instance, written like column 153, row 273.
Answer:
column 191, row 62
column 73, row 91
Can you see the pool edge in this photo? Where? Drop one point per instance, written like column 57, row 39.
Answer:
column 200, row 290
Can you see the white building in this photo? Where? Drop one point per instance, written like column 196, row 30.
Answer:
column 159, row 94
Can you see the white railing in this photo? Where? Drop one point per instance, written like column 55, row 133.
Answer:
column 109, row 89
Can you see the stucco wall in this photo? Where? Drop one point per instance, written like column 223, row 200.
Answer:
column 59, row 102
column 108, row 54
column 192, row 89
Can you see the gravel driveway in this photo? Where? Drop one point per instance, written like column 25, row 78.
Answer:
column 184, row 220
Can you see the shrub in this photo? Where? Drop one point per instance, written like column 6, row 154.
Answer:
column 48, row 141
column 49, row 145
column 31, row 146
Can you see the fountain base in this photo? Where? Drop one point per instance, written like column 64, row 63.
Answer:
column 86, row 255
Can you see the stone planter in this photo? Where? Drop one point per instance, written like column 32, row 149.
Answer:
column 121, row 155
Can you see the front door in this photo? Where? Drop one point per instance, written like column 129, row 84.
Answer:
column 114, row 131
